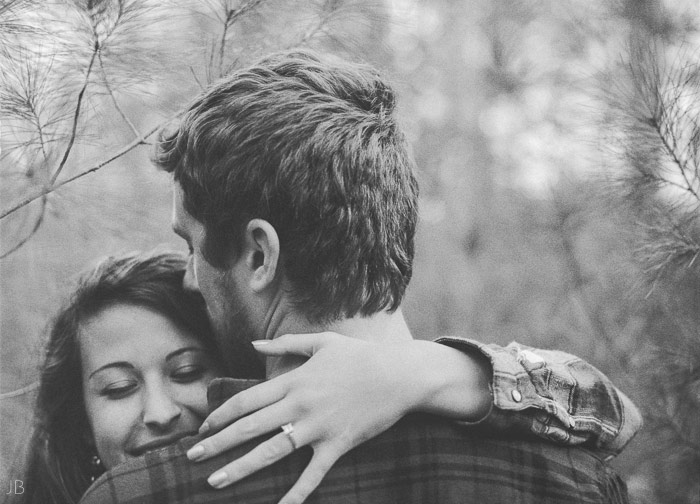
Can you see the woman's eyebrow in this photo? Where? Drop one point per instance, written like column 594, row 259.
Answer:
column 119, row 364
column 183, row 350
column 124, row 364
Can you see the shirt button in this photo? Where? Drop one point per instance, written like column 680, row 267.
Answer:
column 517, row 396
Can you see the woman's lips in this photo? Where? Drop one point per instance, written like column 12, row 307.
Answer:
column 158, row 443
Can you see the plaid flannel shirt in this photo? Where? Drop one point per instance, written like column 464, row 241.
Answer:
column 428, row 459
column 421, row 459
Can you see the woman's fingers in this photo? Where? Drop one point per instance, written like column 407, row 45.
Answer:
column 296, row 344
column 245, row 403
column 326, row 412
column 251, row 426
column 318, row 467
column 263, row 455
column 269, row 452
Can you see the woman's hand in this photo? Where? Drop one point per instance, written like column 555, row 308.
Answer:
column 347, row 392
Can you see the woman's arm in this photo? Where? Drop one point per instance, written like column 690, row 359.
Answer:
column 351, row 390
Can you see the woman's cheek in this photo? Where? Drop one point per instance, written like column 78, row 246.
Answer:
column 193, row 396
column 113, row 425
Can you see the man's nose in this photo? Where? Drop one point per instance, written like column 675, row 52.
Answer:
column 161, row 412
column 189, row 281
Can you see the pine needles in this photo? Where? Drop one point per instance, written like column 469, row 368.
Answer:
column 656, row 117
column 69, row 68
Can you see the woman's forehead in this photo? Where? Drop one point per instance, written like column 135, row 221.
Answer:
column 131, row 333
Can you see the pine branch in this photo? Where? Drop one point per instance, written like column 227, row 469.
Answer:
column 115, row 29
column 667, row 241
column 670, row 143
column 48, row 190
column 11, row 14
column 659, row 119
column 76, row 117
column 313, row 31
column 666, row 92
column 328, row 11
column 230, row 18
column 118, row 108
column 222, row 45
column 37, row 224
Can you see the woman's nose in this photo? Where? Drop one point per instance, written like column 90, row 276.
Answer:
column 189, row 282
column 161, row 412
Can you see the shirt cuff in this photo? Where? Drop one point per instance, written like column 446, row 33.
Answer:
column 512, row 388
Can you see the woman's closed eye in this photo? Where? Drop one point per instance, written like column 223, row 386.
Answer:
column 188, row 373
column 120, row 389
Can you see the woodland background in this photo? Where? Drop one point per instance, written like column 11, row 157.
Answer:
column 557, row 141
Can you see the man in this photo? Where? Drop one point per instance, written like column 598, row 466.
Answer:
column 296, row 194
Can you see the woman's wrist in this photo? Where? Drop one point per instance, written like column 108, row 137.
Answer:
column 452, row 382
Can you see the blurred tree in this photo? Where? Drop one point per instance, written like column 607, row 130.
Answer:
column 558, row 165
column 556, row 212
column 657, row 118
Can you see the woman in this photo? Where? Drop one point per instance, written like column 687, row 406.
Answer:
column 126, row 369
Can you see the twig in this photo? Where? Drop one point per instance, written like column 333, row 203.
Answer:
column 222, row 44
column 35, row 228
column 196, row 79
column 671, row 148
column 76, row 116
column 314, row 30
column 20, row 391
column 231, row 18
column 47, row 190
column 114, row 98
column 329, row 10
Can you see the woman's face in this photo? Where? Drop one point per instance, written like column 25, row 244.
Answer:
column 144, row 381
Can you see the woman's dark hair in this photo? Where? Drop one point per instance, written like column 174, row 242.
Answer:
column 60, row 464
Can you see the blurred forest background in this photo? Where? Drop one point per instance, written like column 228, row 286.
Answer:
column 558, row 143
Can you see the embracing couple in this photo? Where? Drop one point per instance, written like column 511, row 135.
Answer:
column 274, row 364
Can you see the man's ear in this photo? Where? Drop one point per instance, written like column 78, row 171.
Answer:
column 262, row 253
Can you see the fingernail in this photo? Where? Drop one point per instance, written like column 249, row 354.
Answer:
column 204, row 428
column 259, row 343
column 195, row 452
column 217, row 479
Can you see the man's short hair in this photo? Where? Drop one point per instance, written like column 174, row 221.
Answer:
column 312, row 146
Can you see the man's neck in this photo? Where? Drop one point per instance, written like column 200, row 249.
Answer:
column 381, row 327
